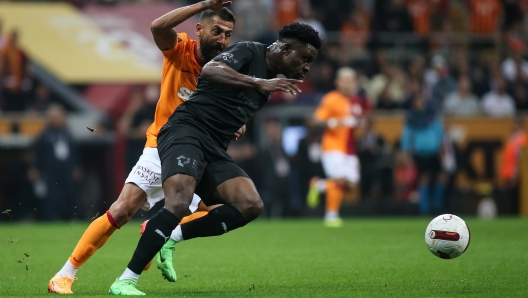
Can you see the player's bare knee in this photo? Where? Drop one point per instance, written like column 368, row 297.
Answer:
column 122, row 212
column 252, row 207
column 178, row 207
column 178, row 194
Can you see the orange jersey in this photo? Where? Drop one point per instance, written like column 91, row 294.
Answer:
column 512, row 155
column 178, row 81
column 336, row 105
column 421, row 15
column 286, row 11
column 485, row 15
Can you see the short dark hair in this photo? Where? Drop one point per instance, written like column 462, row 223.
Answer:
column 301, row 32
column 224, row 13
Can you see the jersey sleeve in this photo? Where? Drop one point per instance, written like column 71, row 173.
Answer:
column 236, row 56
column 324, row 110
column 181, row 41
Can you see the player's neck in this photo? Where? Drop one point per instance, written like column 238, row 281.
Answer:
column 198, row 55
column 272, row 64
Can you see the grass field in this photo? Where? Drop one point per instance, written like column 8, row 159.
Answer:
column 366, row 258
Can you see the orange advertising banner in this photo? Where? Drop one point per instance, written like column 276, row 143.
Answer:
column 74, row 48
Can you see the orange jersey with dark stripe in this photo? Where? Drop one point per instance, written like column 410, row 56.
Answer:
column 484, row 15
column 286, row 11
column 178, row 81
column 335, row 105
column 420, row 14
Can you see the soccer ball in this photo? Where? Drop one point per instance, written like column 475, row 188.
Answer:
column 447, row 236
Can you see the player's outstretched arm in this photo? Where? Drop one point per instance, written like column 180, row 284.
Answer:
column 220, row 73
column 162, row 28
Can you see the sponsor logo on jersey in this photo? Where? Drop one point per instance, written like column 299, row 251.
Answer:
column 227, row 57
column 184, row 93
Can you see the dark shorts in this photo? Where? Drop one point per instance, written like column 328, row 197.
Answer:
column 430, row 164
column 185, row 150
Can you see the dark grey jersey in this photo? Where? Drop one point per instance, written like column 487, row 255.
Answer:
column 219, row 111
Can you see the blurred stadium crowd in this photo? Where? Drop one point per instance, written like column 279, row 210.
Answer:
column 419, row 59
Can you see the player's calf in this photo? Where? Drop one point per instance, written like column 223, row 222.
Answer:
column 219, row 221
column 127, row 204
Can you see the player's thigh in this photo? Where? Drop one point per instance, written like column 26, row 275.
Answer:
column 146, row 175
column 220, row 182
column 182, row 166
column 338, row 165
column 226, row 183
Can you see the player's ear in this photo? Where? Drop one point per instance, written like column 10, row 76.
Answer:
column 286, row 48
column 199, row 29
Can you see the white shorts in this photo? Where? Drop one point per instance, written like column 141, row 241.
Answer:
column 338, row 165
column 146, row 174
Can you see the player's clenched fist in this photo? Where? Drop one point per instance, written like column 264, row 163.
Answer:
column 280, row 84
column 215, row 4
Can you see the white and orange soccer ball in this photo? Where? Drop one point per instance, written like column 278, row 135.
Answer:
column 447, row 236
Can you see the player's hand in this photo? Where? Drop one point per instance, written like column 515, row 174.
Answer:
column 239, row 133
column 280, row 84
column 216, row 4
column 349, row 121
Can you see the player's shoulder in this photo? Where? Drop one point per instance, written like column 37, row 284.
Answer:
column 183, row 37
column 251, row 45
column 184, row 44
column 185, row 41
column 333, row 95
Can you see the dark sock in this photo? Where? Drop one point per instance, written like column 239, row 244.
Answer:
column 157, row 232
column 219, row 221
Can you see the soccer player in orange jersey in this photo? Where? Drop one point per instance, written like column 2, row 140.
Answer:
column 339, row 113
column 183, row 61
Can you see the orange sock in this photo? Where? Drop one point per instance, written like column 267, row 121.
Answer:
column 193, row 216
column 334, row 196
column 93, row 238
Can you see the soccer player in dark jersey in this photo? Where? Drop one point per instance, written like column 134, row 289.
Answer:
column 192, row 144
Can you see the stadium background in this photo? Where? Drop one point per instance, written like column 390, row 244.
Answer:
column 98, row 60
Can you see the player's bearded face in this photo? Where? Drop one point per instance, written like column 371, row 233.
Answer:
column 210, row 48
column 214, row 36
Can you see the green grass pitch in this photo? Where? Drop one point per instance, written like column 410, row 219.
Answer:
column 378, row 257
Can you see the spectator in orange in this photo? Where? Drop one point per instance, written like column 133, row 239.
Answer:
column 484, row 16
column 355, row 31
column 512, row 152
column 509, row 170
column 286, row 11
column 420, row 12
column 13, row 61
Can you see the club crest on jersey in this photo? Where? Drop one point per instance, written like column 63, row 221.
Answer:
column 356, row 109
column 227, row 57
column 184, row 93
